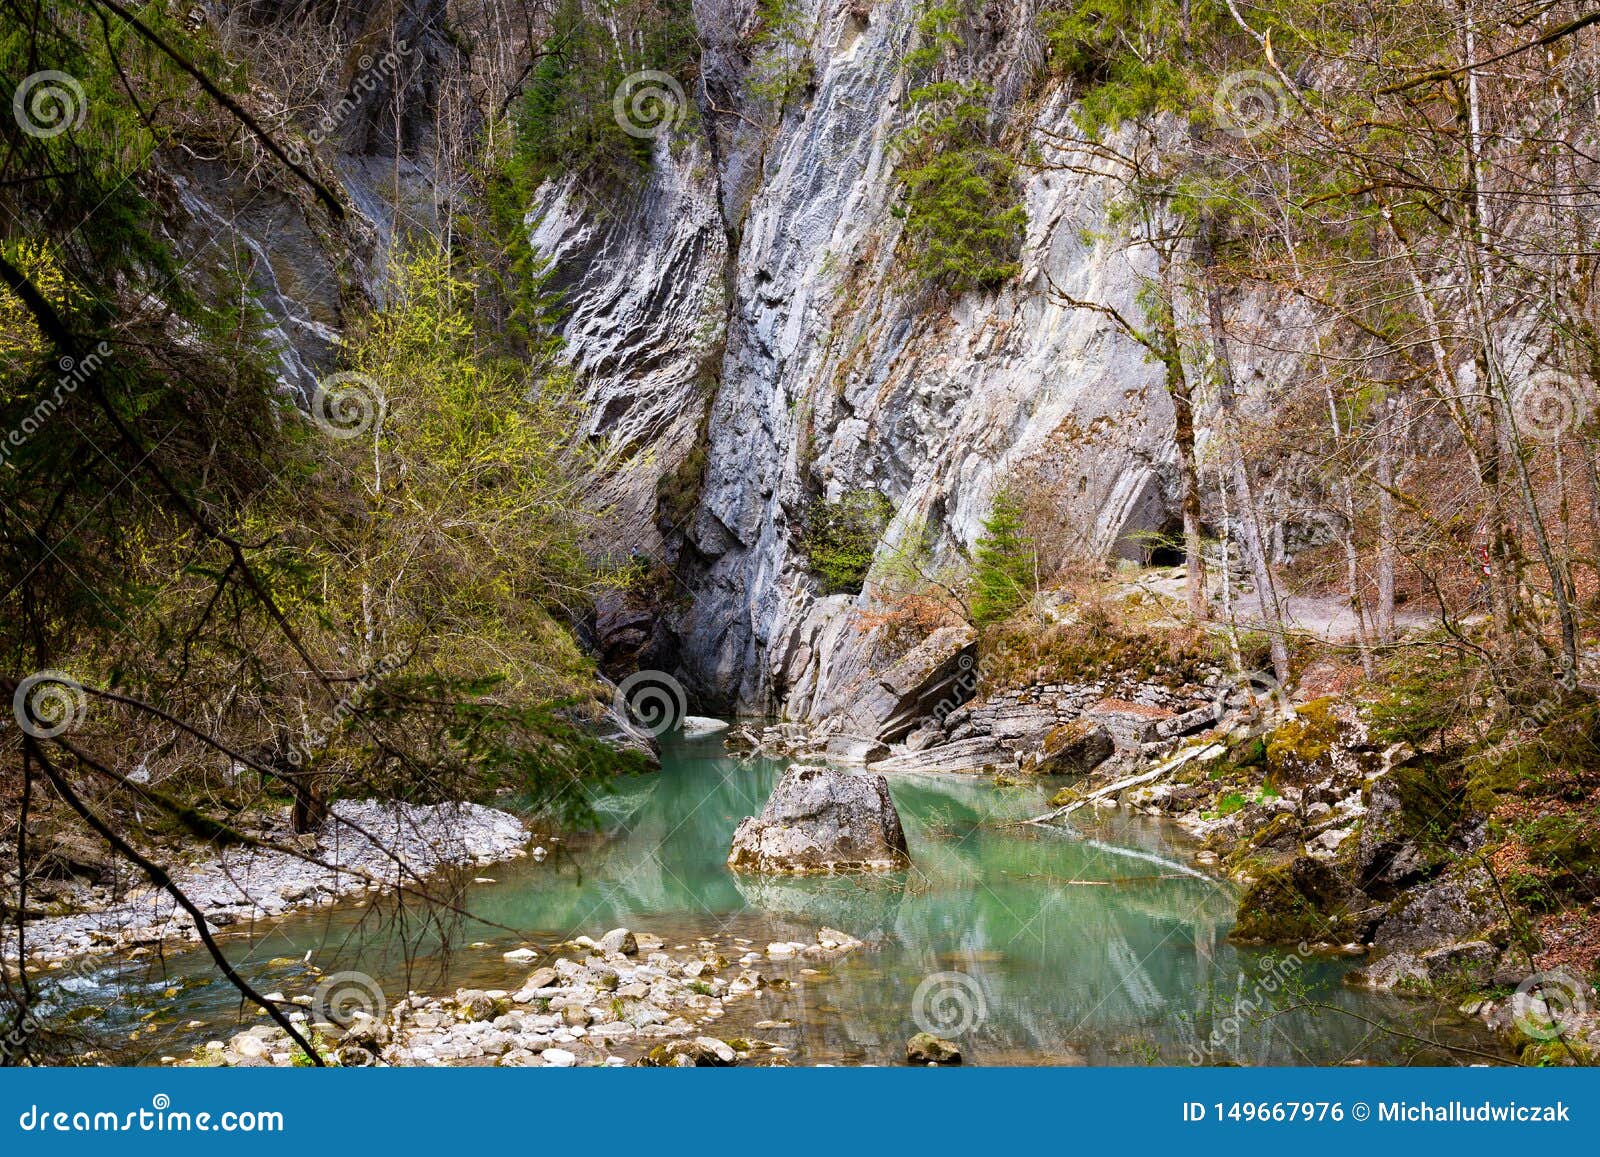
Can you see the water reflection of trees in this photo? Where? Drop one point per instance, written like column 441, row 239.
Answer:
column 1099, row 945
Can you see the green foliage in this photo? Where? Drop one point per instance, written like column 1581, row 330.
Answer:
column 1230, row 802
column 938, row 32
column 780, row 51
column 1004, row 563
column 841, row 538
column 1425, row 695
column 567, row 121
column 962, row 200
column 465, row 544
column 1130, row 58
column 519, row 304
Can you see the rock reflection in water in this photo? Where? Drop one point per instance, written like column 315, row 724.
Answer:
column 1032, row 945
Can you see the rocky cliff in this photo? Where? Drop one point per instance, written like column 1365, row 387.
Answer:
column 759, row 266
column 748, row 337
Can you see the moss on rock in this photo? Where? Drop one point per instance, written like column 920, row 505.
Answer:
column 1301, row 749
column 1302, row 901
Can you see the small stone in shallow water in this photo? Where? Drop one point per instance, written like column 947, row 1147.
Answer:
column 559, row 1058
column 619, row 940
column 927, row 1049
column 519, row 954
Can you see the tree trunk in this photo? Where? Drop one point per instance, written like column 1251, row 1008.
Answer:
column 1386, row 543
column 1170, row 353
column 1249, row 511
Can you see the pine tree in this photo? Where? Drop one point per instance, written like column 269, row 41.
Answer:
column 1004, row 571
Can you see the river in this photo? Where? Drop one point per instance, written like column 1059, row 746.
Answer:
column 1099, row 944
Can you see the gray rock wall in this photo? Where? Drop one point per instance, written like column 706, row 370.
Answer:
column 839, row 371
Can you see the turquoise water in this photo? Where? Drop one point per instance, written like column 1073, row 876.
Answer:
column 1099, row 945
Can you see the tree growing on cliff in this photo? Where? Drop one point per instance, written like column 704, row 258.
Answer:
column 962, row 204
column 1005, row 563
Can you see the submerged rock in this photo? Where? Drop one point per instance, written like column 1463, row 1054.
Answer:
column 820, row 820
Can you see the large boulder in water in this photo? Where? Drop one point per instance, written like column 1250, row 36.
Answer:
column 820, row 820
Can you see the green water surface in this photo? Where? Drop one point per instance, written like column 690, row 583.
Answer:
column 1099, row 944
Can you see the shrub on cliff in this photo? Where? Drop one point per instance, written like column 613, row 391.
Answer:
column 962, row 205
column 841, row 538
column 577, row 116
column 962, row 198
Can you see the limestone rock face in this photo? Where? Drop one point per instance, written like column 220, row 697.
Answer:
column 760, row 259
column 933, row 678
column 1457, row 906
column 820, row 820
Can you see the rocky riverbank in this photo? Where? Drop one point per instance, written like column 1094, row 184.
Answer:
column 617, row 1001
column 365, row 846
column 1344, row 840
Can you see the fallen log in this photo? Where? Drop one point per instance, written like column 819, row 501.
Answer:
column 1170, row 765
